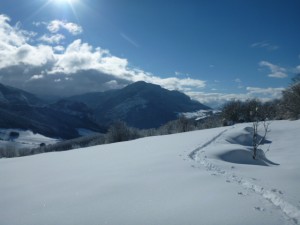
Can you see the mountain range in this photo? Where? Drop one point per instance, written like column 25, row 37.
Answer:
column 141, row 105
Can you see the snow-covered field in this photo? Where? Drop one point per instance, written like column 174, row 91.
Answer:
column 26, row 139
column 202, row 177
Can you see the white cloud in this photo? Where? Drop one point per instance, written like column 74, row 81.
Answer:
column 52, row 39
column 10, row 36
column 15, row 50
column 238, row 80
column 178, row 73
column 28, row 35
column 276, row 71
column 215, row 99
column 75, row 58
column 39, row 23
column 59, row 48
column 26, row 55
column 174, row 83
column 265, row 45
column 271, row 92
column 56, row 25
column 36, row 77
column 81, row 56
column 113, row 84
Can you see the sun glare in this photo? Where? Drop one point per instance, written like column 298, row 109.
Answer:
column 65, row 4
column 65, row 1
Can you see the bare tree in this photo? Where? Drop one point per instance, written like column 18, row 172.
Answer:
column 231, row 111
column 183, row 125
column 119, row 131
column 296, row 79
column 9, row 150
column 257, row 139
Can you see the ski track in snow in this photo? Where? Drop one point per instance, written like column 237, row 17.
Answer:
column 291, row 212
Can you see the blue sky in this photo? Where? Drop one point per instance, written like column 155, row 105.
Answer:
column 213, row 51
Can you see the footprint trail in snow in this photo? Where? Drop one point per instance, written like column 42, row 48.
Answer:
column 291, row 212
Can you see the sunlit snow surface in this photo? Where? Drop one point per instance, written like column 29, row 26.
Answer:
column 202, row 177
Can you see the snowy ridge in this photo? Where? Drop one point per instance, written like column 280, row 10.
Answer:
column 290, row 211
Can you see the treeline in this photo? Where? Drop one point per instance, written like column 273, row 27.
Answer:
column 288, row 107
column 251, row 110
column 117, row 132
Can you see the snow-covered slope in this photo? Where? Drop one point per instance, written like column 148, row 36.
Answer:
column 201, row 177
